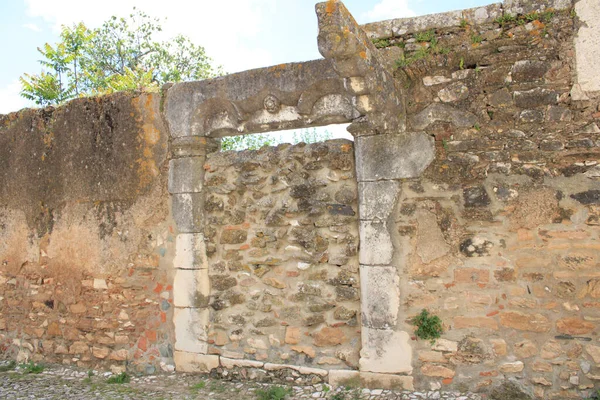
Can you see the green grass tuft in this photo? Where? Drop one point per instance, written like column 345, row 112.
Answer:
column 273, row 393
column 119, row 379
column 31, row 368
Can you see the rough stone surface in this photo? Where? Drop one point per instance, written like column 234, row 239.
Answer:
column 385, row 351
column 195, row 363
column 380, row 292
column 440, row 112
column 377, row 247
column 377, row 199
column 489, row 216
column 587, row 44
column 393, row 156
column 283, row 258
column 186, row 175
column 191, row 330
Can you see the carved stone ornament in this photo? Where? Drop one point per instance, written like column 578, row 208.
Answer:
column 271, row 104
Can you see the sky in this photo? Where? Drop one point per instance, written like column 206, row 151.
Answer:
column 237, row 34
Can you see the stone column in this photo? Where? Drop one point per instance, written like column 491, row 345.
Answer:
column 382, row 161
column 587, row 47
column 191, row 286
column 385, row 154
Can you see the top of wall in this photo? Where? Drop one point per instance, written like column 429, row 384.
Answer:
column 479, row 15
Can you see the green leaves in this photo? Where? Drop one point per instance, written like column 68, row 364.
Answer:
column 428, row 326
column 256, row 141
column 122, row 54
column 44, row 89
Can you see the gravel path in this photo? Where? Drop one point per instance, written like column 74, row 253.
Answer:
column 58, row 382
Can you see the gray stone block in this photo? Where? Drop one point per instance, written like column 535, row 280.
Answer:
column 587, row 45
column 376, row 246
column 385, row 351
column 191, row 288
column 191, row 329
column 380, row 294
column 186, row 175
column 377, row 200
column 445, row 113
column 190, row 251
column 187, row 211
column 535, row 97
column 515, row 7
column 393, row 156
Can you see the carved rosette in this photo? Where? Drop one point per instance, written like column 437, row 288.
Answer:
column 271, row 104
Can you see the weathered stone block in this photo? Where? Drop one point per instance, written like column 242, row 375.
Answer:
column 380, row 293
column 512, row 367
column 329, row 336
column 529, row 70
column 431, row 244
column 186, row 175
column 187, row 211
column 195, row 363
column 191, row 327
column 587, row 197
column 525, row 322
column 535, row 97
column 445, row 345
column 515, row 7
column 342, row 377
column 587, row 45
column 454, row 92
column 393, row 156
column 191, row 288
column 462, row 322
column 376, row 244
column 385, row 381
column 232, row 363
column 190, row 251
column 500, row 98
column 574, row 326
column 437, row 371
column 377, row 199
column 233, row 236
column 531, row 116
column 385, row 351
column 445, row 113
column 476, row 196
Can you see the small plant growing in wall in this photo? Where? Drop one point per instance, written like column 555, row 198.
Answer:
column 476, row 39
column 429, row 326
column 381, row 43
column 426, row 36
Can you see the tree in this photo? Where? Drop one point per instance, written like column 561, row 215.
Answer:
column 256, row 141
column 122, row 54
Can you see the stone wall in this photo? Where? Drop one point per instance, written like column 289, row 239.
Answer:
column 85, row 238
column 500, row 237
column 282, row 240
column 472, row 190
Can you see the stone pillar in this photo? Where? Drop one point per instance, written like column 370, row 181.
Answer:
column 191, row 286
column 587, row 48
column 382, row 161
column 385, row 154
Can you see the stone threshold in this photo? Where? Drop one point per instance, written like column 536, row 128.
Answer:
column 206, row 363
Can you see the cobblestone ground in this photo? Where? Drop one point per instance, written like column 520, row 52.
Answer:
column 57, row 382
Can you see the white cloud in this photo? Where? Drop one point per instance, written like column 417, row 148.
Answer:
column 32, row 27
column 224, row 28
column 10, row 99
column 388, row 9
